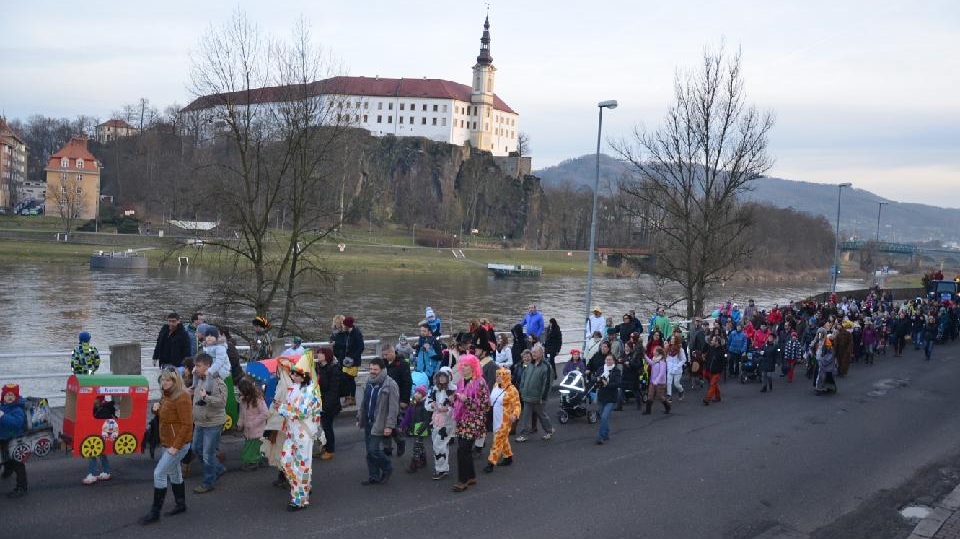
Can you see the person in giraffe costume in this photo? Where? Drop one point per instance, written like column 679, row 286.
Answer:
column 505, row 400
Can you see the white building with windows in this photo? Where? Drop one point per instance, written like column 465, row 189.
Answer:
column 437, row 109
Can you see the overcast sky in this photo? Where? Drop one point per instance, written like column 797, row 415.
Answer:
column 863, row 91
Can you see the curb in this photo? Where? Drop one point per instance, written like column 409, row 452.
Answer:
column 946, row 508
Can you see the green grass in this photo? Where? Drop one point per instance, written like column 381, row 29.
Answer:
column 51, row 251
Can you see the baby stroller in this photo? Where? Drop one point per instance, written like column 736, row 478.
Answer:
column 749, row 367
column 573, row 398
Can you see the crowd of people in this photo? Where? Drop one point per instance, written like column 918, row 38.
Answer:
column 459, row 390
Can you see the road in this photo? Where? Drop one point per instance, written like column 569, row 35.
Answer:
column 787, row 464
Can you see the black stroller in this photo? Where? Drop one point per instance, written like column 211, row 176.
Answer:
column 750, row 367
column 573, row 399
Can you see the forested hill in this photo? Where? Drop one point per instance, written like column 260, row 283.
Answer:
column 900, row 221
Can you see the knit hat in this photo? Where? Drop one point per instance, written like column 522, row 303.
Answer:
column 420, row 390
column 297, row 340
column 348, row 322
column 10, row 388
column 84, row 336
column 429, row 312
column 211, row 331
column 575, row 351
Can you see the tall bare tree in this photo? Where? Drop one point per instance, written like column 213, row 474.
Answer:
column 690, row 172
column 67, row 202
column 269, row 163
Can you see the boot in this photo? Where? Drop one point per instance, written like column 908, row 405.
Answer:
column 666, row 407
column 20, row 470
column 647, row 408
column 179, row 496
column 154, row 514
column 414, row 464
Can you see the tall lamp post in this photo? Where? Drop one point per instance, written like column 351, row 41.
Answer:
column 879, row 209
column 836, row 245
column 609, row 104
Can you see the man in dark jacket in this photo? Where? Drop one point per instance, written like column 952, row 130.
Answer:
column 173, row 343
column 378, row 418
column 534, row 389
column 399, row 370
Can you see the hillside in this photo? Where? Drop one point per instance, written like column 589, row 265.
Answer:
column 900, row 221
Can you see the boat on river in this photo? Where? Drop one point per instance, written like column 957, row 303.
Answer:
column 514, row 270
column 128, row 259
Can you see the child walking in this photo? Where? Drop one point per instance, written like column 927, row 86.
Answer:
column 440, row 405
column 12, row 424
column 658, row 380
column 253, row 421
column 416, row 423
column 103, row 408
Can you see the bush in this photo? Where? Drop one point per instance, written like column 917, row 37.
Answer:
column 436, row 239
column 128, row 225
column 89, row 226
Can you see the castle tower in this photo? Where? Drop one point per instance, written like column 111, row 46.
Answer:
column 481, row 100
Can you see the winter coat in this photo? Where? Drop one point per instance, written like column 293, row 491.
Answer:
column 399, row 370
column 387, row 405
column 658, row 371
column 85, row 359
column 221, row 362
column 868, row 336
column 211, row 409
column 535, row 382
column 171, row 348
column 768, row 358
column 675, row 363
column 553, row 342
column 534, row 323
column 736, row 342
column 14, row 421
column 610, row 392
column 328, row 380
column 253, row 419
column 716, row 360
column 176, row 421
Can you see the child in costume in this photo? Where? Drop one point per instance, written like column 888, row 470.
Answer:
column 103, row 408
column 301, row 420
column 85, row 358
column 440, row 405
column 12, row 424
column 416, row 423
column 505, row 400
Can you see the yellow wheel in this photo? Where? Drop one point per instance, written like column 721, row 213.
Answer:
column 126, row 443
column 228, row 424
column 92, row 446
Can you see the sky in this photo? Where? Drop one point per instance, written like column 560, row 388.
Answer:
column 866, row 92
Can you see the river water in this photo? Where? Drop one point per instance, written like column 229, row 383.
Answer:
column 47, row 305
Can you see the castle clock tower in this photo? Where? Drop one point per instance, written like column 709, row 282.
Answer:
column 481, row 100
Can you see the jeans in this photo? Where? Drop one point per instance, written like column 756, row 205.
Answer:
column 917, row 339
column 606, row 408
column 378, row 465
column 104, row 465
column 673, row 380
column 734, row 363
column 928, row 348
column 205, row 443
column 326, row 422
column 168, row 467
column 531, row 409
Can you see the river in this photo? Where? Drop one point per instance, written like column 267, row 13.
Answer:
column 47, row 305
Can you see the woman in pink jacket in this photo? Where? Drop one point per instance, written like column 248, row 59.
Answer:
column 658, row 380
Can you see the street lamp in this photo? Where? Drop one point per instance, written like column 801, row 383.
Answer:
column 609, row 104
column 879, row 209
column 836, row 248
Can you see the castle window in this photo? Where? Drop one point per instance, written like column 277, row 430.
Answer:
column 379, row 105
column 424, row 107
column 412, row 120
column 389, row 119
column 413, row 106
column 401, row 106
column 435, row 107
column 401, row 117
column 443, row 122
column 356, row 118
column 379, row 119
column 434, row 120
column 366, row 105
column 389, row 106
column 424, row 122
column 444, row 108
column 364, row 118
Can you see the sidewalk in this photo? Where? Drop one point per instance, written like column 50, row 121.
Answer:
column 943, row 522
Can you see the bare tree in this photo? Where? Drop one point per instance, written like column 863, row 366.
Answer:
column 690, row 172
column 270, row 162
column 523, row 144
column 67, row 202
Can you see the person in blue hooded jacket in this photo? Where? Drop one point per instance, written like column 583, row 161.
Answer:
column 12, row 424
column 736, row 347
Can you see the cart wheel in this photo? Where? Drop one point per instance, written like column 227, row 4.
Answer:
column 592, row 417
column 563, row 417
column 228, row 423
column 125, row 444
column 20, row 452
column 92, row 446
column 42, row 447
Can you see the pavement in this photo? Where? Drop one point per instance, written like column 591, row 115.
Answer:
column 780, row 465
column 943, row 522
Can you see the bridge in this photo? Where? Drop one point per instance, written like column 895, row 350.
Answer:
column 917, row 254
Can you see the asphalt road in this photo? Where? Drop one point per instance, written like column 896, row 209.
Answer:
column 787, row 464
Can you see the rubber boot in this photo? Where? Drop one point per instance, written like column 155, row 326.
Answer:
column 154, row 514
column 647, row 408
column 666, row 407
column 179, row 496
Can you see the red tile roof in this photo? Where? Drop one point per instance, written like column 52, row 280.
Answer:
column 7, row 131
column 116, row 123
column 362, row 86
column 76, row 148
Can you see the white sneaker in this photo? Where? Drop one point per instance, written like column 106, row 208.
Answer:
column 104, row 476
column 549, row 434
column 90, row 479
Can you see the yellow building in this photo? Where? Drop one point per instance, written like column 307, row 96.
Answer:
column 73, row 181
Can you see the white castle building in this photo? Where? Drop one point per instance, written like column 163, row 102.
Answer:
column 438, row 109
